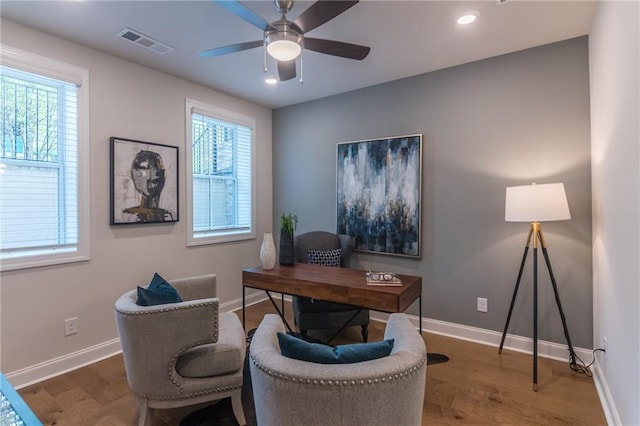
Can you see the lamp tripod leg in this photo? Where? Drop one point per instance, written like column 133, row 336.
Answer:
column 539, row 237
column 515, row 291
column 535, row 318
column 572, row 353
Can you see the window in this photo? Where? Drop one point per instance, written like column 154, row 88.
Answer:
column 43, row 165
column 220, row 175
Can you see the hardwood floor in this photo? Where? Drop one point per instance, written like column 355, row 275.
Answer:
column 477, row 386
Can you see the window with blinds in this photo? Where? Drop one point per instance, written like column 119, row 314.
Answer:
column 220, row 162
column 39, row 167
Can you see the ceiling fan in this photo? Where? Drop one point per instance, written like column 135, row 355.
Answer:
column 284, row 39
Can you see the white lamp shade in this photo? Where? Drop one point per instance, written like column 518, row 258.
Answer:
column 536, row 203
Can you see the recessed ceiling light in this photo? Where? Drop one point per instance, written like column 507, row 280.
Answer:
column 467, row 18
column 270, row 80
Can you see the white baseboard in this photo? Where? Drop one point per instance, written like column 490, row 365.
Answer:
column 512, row 342
column 72, row 361
column 63, row 364
column 492, row 338
column 606, row 399
column 250, row 299
column 48, row 369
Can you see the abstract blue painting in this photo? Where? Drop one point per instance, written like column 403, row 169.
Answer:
column 379, row 186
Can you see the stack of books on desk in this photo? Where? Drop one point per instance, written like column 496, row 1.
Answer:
column 383, row 279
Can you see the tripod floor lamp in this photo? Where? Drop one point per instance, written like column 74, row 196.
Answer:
column 537, row 203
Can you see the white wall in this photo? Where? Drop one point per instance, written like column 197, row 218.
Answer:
column 615, row 120
column 129, row 101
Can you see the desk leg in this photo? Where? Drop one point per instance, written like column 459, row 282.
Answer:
column 420, row 311
column 281, row 313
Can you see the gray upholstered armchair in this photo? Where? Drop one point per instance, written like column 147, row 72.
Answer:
column 185, row 353
column 384, row 391
column 310, row 314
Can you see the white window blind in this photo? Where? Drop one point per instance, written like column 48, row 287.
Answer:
column 221, row 165
column 39, row 170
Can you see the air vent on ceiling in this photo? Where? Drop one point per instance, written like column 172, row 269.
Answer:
column 143, row 41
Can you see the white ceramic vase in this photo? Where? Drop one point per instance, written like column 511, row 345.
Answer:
column 268, row 251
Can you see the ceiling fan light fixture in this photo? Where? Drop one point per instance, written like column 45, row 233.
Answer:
column 285, row 40
column 284, row 45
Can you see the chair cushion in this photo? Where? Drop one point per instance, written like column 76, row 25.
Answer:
column 292, row 347
column 158, row 292
column 226, row 356
column 325, row 257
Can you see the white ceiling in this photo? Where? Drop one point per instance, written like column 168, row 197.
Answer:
column 406, row 38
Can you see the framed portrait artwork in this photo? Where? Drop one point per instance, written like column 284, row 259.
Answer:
column 144, row 182
column 379, row 187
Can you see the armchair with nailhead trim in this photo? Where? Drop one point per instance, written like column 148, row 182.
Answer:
column 380, row 392
column 180, row 354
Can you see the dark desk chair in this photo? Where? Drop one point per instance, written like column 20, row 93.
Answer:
column 312, row 314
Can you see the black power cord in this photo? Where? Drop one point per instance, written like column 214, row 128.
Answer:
column 578, row 365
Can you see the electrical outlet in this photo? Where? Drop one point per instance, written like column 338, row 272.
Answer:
column 483, row 304
column 70, row 326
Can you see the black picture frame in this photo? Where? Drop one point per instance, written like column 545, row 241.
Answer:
column 379, row 194
column 144, row 182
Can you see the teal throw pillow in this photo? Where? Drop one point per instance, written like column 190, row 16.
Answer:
column 325, row 257
column 158, row 292
column 295, row 348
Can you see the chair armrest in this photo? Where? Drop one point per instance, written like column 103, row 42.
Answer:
column 404, row 333
column 265, row 339
column 145, row 353
column 194, row 288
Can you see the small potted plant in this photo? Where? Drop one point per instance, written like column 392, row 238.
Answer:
column 288, row 224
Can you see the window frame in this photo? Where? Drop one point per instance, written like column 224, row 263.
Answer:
column 193, row 106
column 41, row 65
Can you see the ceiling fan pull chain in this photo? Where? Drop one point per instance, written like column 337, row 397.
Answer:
column 264, row 48
column 301, row 67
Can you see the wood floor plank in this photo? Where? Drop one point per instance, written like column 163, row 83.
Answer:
column 477, row 386
column 46, row 406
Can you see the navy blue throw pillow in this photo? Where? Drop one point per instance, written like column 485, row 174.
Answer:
column 158, row 292
column 295, row 348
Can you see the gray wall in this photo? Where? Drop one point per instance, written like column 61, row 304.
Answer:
column 499, row 122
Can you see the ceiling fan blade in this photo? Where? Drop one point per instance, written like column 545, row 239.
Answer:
column 286, row 70
column 243, row 12
column 337, row 48
column 319, row 13
column 232, row 48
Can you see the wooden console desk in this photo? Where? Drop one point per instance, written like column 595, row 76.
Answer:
column 341, row 285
